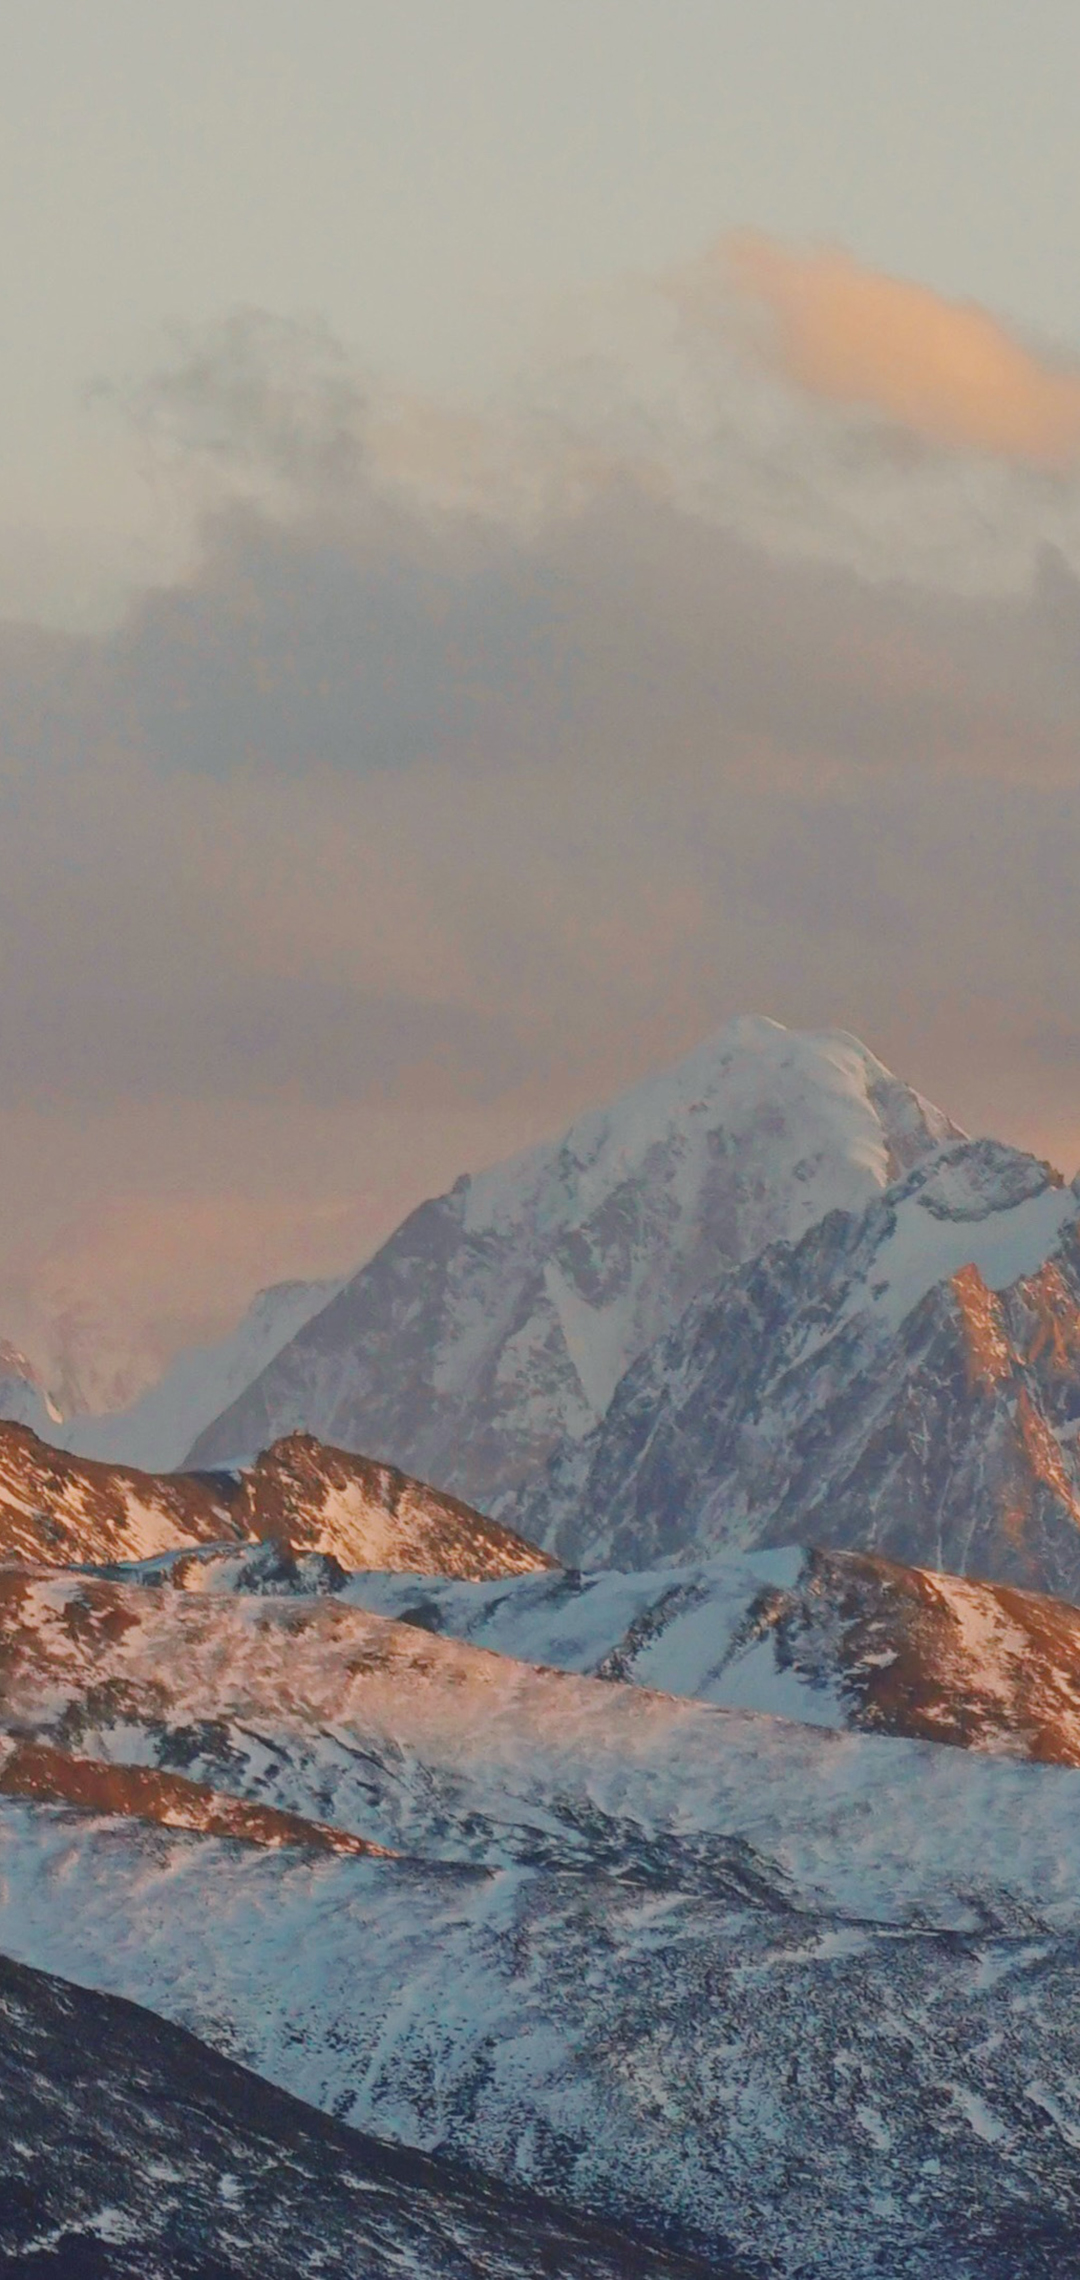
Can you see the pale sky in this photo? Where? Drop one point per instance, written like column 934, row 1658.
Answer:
column 431, row 178
column 526, row 530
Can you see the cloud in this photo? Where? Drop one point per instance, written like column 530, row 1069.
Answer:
column 252, row 395
column 414, row 815
column 945, row 371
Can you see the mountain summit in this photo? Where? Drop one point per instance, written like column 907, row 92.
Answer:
column 499, row 1318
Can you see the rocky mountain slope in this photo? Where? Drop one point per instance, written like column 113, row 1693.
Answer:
column 319, row 1499
column 61, row 1508
column 842, row 1639
column 905, row 1381
column 634, row 1943
column 501, row 1316
column 128, row 2149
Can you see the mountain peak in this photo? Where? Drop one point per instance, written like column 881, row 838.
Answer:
column 501, row 1317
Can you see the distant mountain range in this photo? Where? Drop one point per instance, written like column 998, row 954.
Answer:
column 23, row 1398
column 158, row 1430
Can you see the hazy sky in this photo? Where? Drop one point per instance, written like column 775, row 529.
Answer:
column 432, row 179
column 524, row 531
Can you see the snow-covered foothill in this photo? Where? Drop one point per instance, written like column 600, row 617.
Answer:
column 636, row 1943
column 842, row 1639
column 443, row 1750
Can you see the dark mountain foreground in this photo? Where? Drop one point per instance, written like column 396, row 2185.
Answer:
column 127, row 2148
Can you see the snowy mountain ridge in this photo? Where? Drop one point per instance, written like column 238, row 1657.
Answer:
column 839, row 1639
column 300, row 1498
column 905, row 1381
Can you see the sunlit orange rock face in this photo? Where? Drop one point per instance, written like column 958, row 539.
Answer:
column 65, row 1509
column 936, row 1657
column 48, row 1776
column 62, row 1508
column 316, row 1498
column 1023, row 1352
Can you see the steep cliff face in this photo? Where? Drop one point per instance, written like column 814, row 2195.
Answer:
column 904, row 1382
column 500, row 1317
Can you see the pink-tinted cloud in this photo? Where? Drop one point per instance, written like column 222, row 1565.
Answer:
column 946, row 370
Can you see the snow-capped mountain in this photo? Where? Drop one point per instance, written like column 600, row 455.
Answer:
column 906, row 1381
column 184, row 2165
column 501, row 1317
column 304, row 1498
column 23, row 1397
column 156, row 1432
column 841, row 1639
column 636, row 1944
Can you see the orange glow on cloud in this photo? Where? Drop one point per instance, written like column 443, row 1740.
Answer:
column 946, row 370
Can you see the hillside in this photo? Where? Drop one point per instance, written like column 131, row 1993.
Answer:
column 301, row 1496
column 633, row 1944
column 127, row 2147
column 840, row 1639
